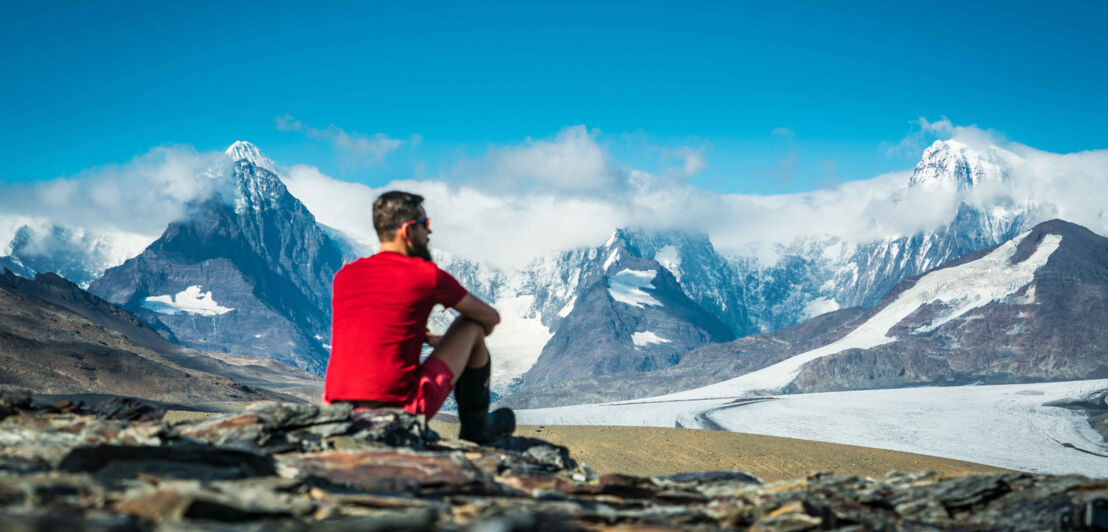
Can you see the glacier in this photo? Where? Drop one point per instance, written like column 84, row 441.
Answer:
column 1013, row 425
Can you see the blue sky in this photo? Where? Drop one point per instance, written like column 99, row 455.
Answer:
column 776, row 98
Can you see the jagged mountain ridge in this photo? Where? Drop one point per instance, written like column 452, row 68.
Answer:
column 1031, row 309
column 813, row 276
column 1050, row 329
column 825, row 273
column 633, row 318
column 263, row 263
column 747, row 296
column 550, row 292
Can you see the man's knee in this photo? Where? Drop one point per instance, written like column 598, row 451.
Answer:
column 462, row 322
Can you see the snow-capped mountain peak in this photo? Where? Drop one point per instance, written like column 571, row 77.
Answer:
column 256, row 188
column 950, row 163
column 245, row 150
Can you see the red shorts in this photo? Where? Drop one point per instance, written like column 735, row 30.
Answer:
column 434, row 385
column 436, row 381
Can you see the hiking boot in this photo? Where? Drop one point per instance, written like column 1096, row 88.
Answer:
column 485, row 427
column 472, row 395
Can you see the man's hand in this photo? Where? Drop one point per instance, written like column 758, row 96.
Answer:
column 432, row 339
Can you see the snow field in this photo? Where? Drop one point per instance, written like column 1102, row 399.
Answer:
column 1003, row 425
column 627, row 287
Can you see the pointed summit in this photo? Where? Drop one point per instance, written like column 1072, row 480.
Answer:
column 255, row 179
column 258, row 253
column 954, row 164
column 245, row 150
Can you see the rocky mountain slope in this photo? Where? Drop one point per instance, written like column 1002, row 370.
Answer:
column 1028, row 310
column 58, row 339
column 559, row 309
column 701, row 366
column 250, row 274
column 812, row 276
column 634, row 318
column 1047, row 329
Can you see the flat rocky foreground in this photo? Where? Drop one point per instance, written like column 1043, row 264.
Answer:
column 274, row 466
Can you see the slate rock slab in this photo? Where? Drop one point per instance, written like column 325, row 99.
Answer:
column 116, row 462
column 128, row 409
column 388, row 470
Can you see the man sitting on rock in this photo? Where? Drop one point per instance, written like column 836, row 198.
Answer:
column 380, row 306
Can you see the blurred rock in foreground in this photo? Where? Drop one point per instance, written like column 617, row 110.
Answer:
column 279, row 466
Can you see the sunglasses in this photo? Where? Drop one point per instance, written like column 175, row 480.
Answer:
column 425, row 222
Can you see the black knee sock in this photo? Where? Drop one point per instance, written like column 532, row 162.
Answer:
column 477, row 423
column 472, row 389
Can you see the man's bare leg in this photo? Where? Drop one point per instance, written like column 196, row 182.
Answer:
column 462, row 346
column 463, row 349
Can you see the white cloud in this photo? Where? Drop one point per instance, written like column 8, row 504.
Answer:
column 523, row 201
column 568, row 191
column 576, row 194
column 693, row 160
column 358, row 149
column 784, row 171
column 783, row 132
column 924, row 131
column 572, row 161
column 371, row 150
column 506, row 230
column 287, row 123
column 139, row 197
column 339, row 204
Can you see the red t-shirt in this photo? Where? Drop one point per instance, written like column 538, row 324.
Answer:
column 379, row 309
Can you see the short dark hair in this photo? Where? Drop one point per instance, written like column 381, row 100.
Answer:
column 392, row 209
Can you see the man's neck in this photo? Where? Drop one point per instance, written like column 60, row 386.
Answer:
column 395, row 247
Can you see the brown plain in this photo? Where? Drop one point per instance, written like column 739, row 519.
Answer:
column 648, row 451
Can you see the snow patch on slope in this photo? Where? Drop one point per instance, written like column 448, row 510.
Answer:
column 670, row 260
column 188, row 301
column 627, row 287
column 568, row 308
column 959, row 288
column 645, row 338
column 1028, row 297
column 612, row 259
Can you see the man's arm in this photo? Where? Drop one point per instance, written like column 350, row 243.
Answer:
column 479, row 311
